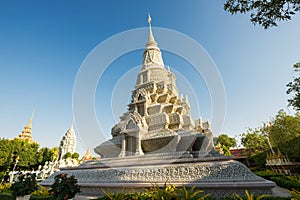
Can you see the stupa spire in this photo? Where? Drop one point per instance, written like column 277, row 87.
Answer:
column 87, row 155
column 151, row 40
column 152, row 54
column 29, row 124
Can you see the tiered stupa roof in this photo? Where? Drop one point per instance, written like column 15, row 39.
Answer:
column 26, row 134
column 87, row 155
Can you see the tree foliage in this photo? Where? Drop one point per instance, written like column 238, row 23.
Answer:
column 48, row 154
column 26, row 152
column 294, row 89
column 284, row 128
column 226, row 141
column 283, row 132
column 68, row 155
column 29, row 155
column 254, row 140
column 266, row 13
column 75, row 155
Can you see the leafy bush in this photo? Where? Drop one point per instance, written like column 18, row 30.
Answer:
column 7, row 196
column 249, row 196
column 68, row 155
column 169, row 192
column 75, row 156
column 64, row 187
column 5, row 187
column 41, row 193
column 289, row 184
column 258, row 198
column 258, row 160
column 291, row 149
column 295, row 194
column 267, row 174
column 294, row 178
column 191, row 194
column 276, row 198
column 166, row 193
column 117, row 196
column 25, row 185
column 2, row 174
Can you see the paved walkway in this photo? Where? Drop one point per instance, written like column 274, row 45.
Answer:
column 280, row 192
column 82, row 197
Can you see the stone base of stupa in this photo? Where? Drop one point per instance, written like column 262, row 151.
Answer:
column 218, row 175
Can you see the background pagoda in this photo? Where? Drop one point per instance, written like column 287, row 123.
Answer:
column 26, row 134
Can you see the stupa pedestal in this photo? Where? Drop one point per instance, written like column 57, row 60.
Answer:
column 218, row 175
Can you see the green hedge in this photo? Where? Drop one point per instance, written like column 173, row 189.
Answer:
column 38, row 197
column 7, row 196
column 268, row 174
column 286, row 183
column 264, row 198
column 276, row 198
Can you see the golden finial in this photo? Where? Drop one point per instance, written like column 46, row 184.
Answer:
column 149, row 19
column 32, row 114
column 30, row 121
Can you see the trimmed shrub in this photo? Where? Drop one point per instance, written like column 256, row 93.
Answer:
column 42, row 193
column 263, row 198
column 64, row 187
column 276, row 198
column 68, row 155
column 268, row 174
column 25, row 186
column 75, row 155
column 295, row 194
column 286, row 183
column 7, row 196
column 5, row 187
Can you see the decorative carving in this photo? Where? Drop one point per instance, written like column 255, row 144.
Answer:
column 140, row 95
column 191, row 172
column 131, row 125
column 188, row 122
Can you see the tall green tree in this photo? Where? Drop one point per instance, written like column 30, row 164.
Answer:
column 254, row 140
column 6, row 156
column 284, row 128
column 26, row 152
column 284, row 133
column 225, row 143
column 266, row 13
column 294, row 88
column 47, row 154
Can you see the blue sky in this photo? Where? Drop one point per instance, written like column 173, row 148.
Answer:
column 43, row 43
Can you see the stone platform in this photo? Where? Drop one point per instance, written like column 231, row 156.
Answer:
column 219, row 176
